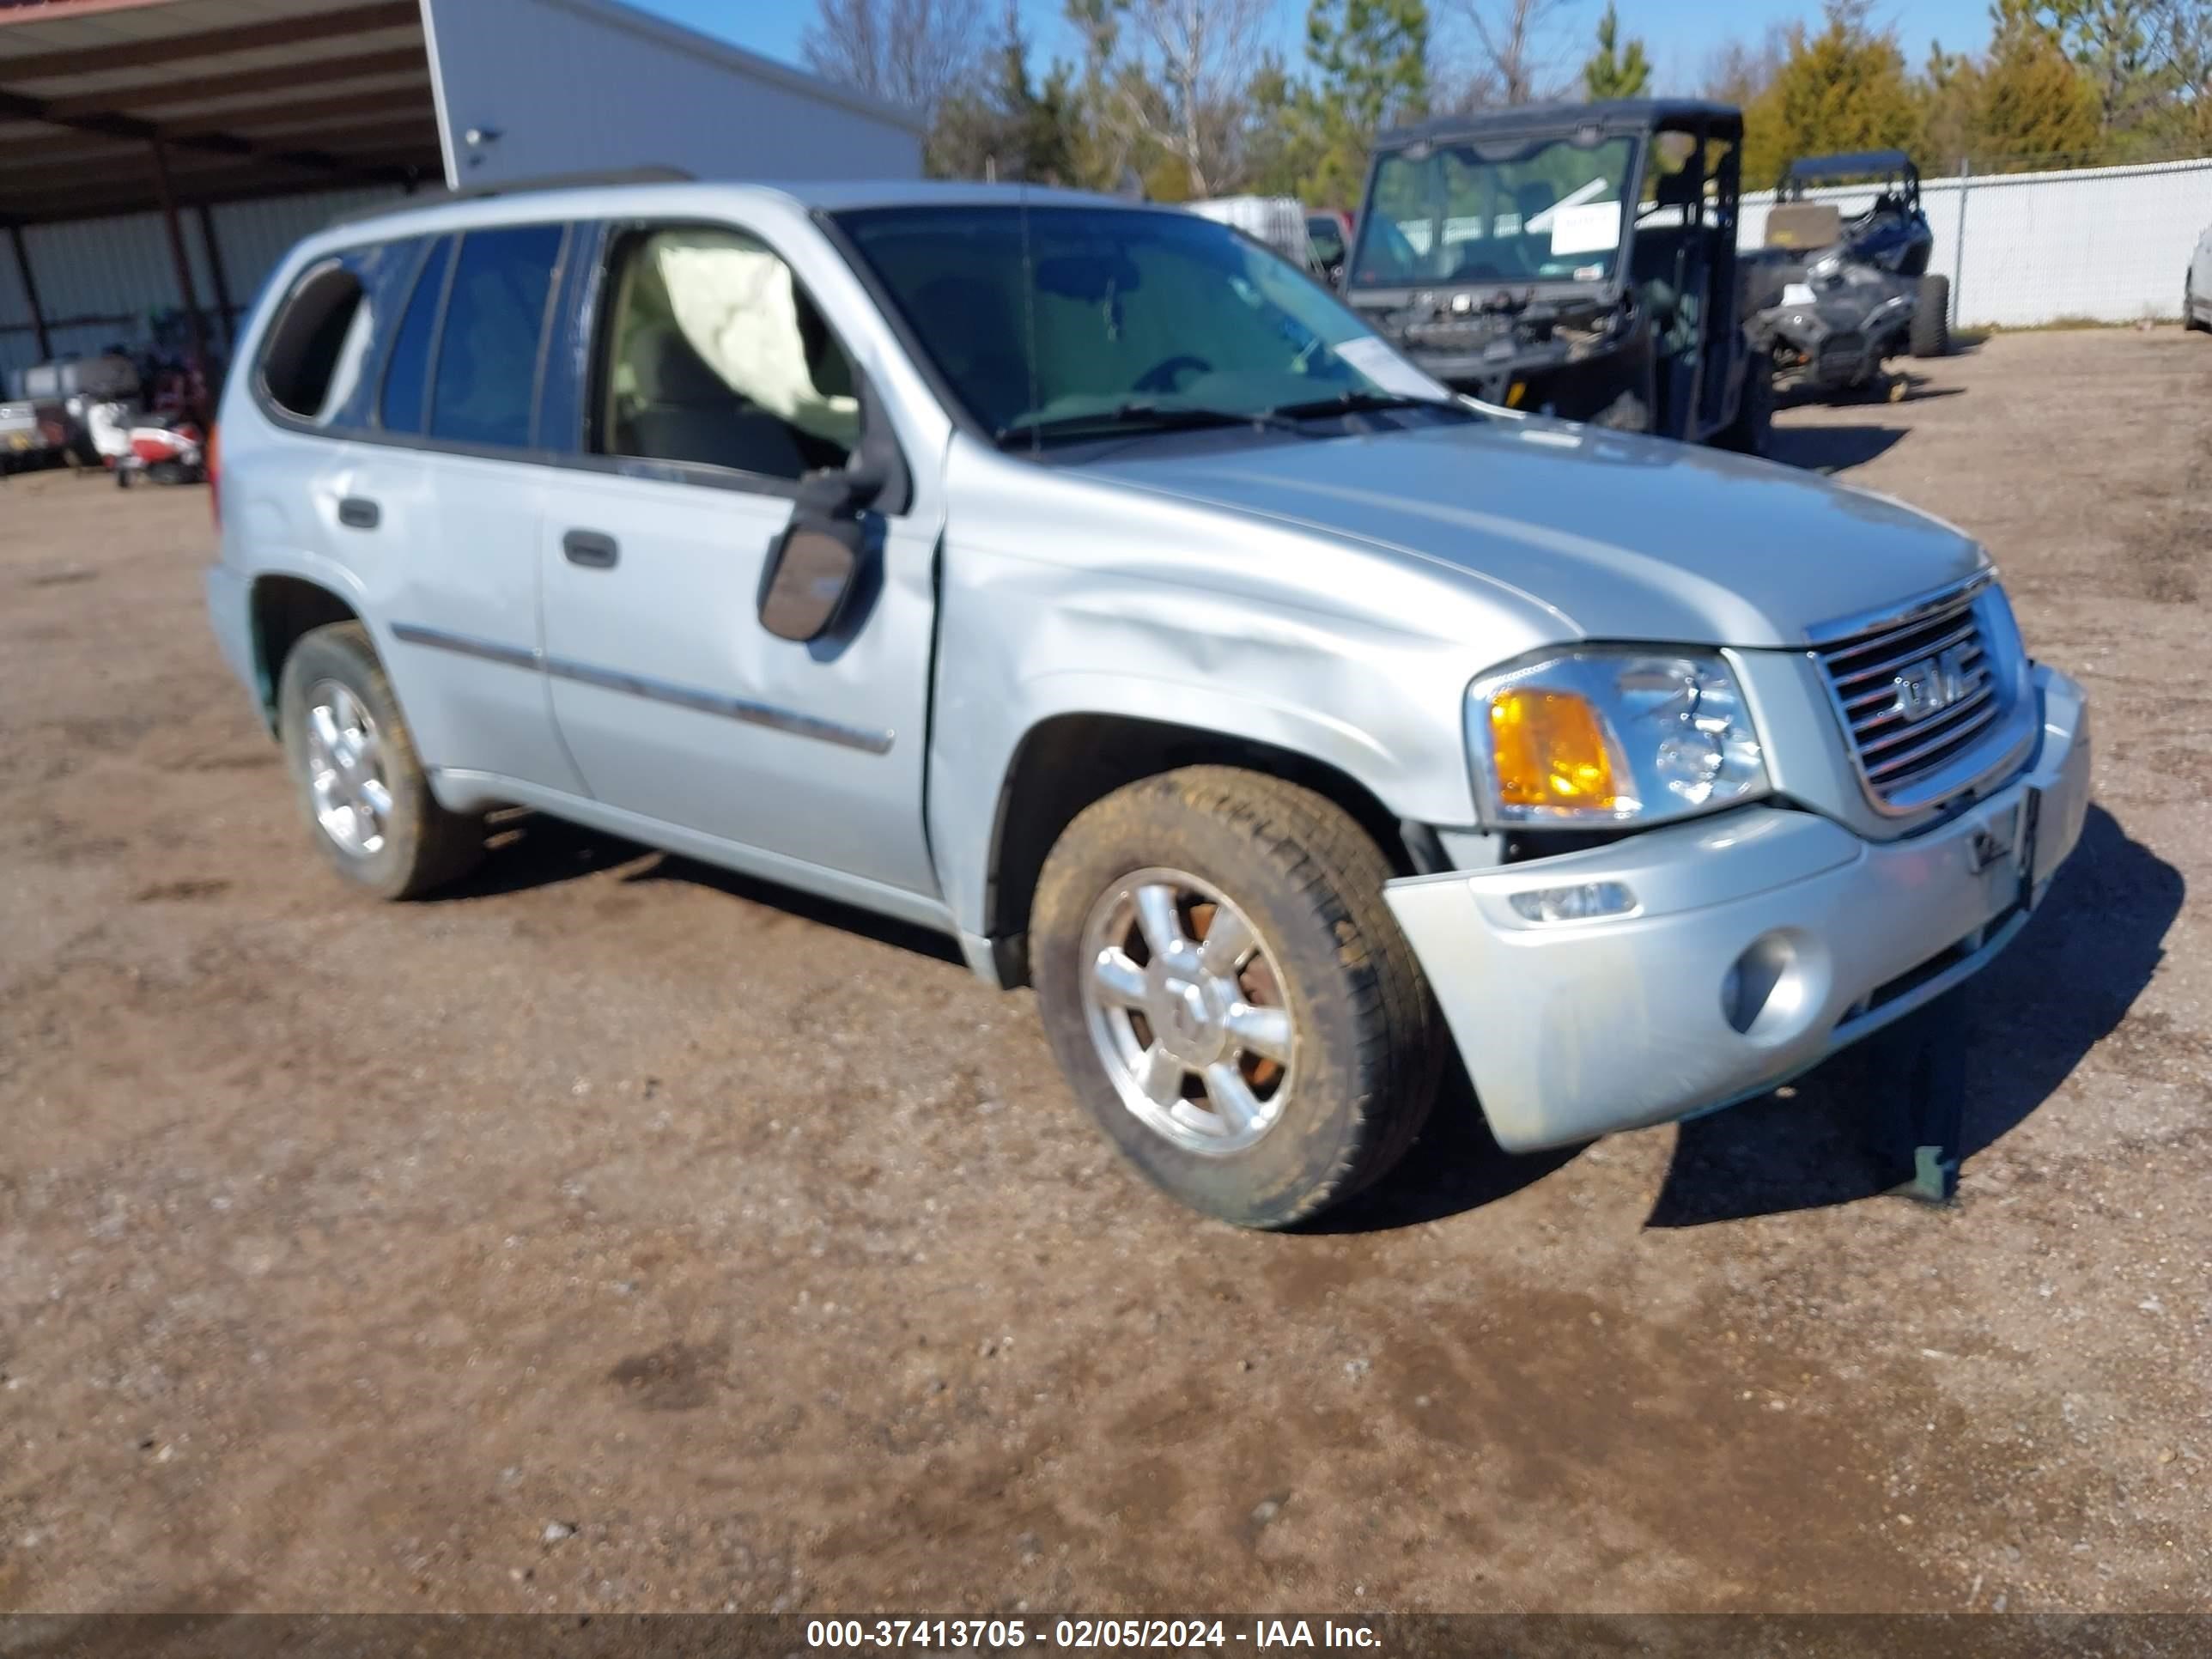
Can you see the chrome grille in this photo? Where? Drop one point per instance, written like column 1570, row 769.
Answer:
column 1883, row 677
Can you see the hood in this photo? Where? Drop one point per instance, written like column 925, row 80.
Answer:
column 1628, row 537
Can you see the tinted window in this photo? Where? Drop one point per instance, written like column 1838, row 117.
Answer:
column 407, row 378
column 317, row 355
column 487, row 362
column 715, row 357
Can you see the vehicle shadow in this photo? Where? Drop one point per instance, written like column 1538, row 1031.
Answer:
column 525, row 849
column 1454, row 1166
column 2027, row 1021
column 529, row 849
column 802, row 906
column 1832, row 448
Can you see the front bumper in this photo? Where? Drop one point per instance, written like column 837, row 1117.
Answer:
column 1577, row 1029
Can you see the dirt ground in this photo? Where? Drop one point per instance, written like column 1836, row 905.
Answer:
column 617, row 1234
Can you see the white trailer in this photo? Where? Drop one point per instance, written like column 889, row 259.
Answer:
column 1277, row 221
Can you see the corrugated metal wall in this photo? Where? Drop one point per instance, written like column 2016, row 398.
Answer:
column 575, row 86
column 2108, row 244
column 116, row 271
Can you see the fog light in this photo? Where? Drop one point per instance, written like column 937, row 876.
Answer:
column 1765, row 992
column 1586, row 902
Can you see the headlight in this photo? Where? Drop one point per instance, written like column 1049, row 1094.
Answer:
column 1612, row 736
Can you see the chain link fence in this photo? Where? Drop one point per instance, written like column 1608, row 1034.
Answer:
column 2108, row 245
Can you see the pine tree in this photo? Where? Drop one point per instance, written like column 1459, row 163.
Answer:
column 1612, row 71
column 1844, row 88
column 1371, row 64
column 2029, row 106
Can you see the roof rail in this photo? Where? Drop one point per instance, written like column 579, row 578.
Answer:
column 647, row 175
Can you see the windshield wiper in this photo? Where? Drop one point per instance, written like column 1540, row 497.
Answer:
column 1357, row 402
column 1145, row 416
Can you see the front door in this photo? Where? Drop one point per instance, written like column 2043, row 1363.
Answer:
column 715, row 385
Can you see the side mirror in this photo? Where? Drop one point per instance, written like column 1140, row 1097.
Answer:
column 812, row 570
column 815, row 565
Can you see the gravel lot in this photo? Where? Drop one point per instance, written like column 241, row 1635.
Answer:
column 618, row 1234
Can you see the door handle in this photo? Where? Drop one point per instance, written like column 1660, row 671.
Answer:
column 591, row 550
column 359, row 512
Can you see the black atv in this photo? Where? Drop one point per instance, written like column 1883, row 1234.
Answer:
column 1836, row 297
column 1577, row 260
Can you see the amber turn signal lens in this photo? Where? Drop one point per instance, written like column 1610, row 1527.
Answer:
column 1549, row 749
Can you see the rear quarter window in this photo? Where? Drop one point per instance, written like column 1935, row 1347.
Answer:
column 318, row 357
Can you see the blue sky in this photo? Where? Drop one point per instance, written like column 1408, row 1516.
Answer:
column 1680, row 34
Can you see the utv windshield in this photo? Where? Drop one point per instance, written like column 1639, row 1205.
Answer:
column 1061, row 323
column 1546, row 212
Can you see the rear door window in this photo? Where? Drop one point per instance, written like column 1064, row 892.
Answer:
column 484, row 382
column 407, row 376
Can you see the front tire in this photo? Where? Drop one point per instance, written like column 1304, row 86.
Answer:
column 1228, row 996
column 360, row 785
column 2191, row 322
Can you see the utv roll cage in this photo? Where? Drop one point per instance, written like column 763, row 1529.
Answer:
column 1645, row 335
column 1892, row 169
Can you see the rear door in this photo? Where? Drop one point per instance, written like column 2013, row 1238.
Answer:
column 445, row 498
column 711, row 384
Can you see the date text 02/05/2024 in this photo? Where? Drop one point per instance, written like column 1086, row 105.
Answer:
column 1006, row 1634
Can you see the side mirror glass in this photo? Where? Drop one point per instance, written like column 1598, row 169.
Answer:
column 811, row 572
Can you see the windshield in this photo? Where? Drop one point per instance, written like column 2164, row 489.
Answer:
column 1545, row 212
column 1050, row 316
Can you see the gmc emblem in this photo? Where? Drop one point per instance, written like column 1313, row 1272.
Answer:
column 1932, row 684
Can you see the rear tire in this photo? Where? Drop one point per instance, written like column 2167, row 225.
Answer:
column 1323, row 964
column 1931, row 319
column 360, row 783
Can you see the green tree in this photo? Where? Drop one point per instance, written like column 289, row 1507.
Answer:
column 2185, row 41
column 1370, row 69
column 2116, row 44
column 2030, row 106
column 1614, row 71
column 1843, row 88
column 1284, row 141
column 1946, row 96
column 1012, row 128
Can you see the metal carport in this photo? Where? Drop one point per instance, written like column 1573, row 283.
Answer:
column 118, row 106
column 201, row 114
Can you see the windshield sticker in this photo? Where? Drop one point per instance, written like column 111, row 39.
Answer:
column 1586, row 227
column 1374, row 359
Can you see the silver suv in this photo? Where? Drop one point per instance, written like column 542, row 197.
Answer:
column 1084, row 581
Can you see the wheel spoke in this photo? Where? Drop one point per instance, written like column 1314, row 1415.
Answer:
column 1262, row 1031
column 1229, row 940
column 1163, row 1076
column 1119, row 982
column 377, row 798
column 325, row 725
column 1226, row 1089
column 1156, row 915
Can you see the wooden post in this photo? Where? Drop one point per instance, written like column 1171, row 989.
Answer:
column 184, row 264
column 31, row 292
column 226, row 313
